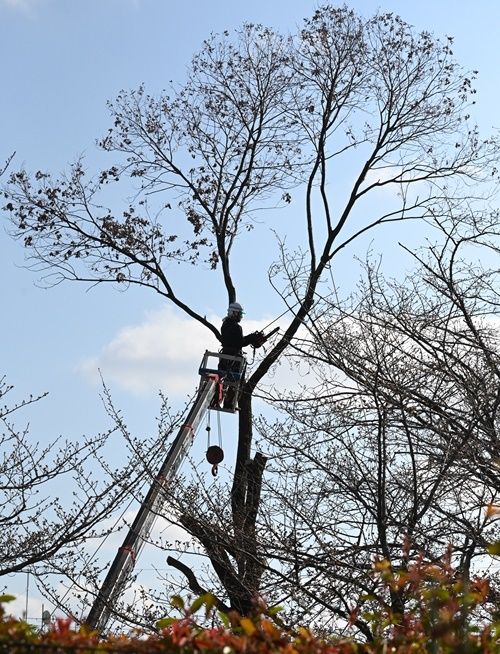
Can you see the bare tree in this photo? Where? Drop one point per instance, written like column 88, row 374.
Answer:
column 393, row 454
column 86, row 501
column 6, row 164
column 262, row 117
column 43, row 526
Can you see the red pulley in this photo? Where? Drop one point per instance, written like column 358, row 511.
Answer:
column 215, row 454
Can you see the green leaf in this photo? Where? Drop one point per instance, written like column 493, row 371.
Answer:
column 7, row 598
column 198, row 602
column 494, row 548
column 274, row 610
column 210, row 601
column 224, row 619
column 177, row 602
column 164, row 622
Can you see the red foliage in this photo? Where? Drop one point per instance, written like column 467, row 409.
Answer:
column 438, row 619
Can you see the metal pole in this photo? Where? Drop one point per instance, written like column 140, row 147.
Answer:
column 121, row 569
column 27, row 589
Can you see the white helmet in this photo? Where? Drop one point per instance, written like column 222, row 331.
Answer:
column 234, row 308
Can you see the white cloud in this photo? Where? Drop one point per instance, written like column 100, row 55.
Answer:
column 165, row 528
column 17, row 607
column 388, row 177
column 163, row 352
column 24, row 6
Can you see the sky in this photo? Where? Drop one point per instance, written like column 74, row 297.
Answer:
column 61, row 61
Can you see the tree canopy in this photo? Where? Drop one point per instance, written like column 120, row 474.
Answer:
column 317, row 122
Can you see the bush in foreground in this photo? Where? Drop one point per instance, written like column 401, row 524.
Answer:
column 443, row 614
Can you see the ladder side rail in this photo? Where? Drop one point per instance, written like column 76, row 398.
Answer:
column 154, row 500
column 121, row 569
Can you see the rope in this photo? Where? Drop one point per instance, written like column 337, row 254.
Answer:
column 208, row 428
column 219, row 429
column 281, row 315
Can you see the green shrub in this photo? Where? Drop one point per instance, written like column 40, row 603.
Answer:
column 439, row 617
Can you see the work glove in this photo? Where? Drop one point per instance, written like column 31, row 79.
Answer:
column 258, row 339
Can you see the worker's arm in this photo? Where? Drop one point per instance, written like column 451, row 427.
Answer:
column 248, row 339
column 255, row 338
column 232, row 336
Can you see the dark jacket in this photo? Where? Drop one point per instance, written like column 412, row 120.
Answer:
column 232, row 337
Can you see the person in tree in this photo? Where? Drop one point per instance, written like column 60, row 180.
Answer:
column 233, row 342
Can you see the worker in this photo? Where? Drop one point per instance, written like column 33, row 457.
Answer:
column 233, row 342
column 232, row 334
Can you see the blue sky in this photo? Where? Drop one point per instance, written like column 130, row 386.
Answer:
column 61, row 61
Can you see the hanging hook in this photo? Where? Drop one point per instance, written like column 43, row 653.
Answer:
column 215, row 453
